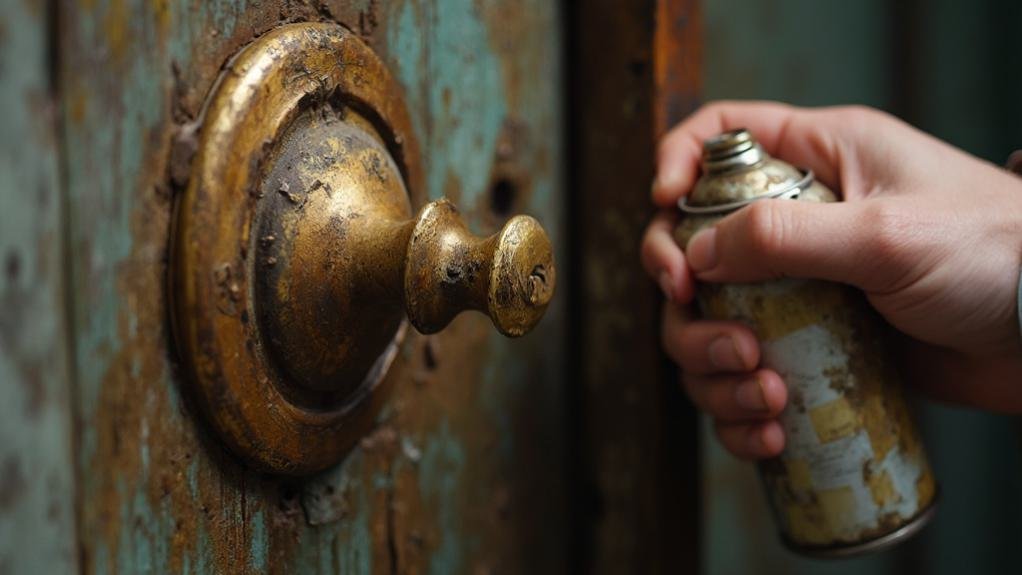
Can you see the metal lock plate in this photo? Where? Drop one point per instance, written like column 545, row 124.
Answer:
column 302, row 97
column 296, row 256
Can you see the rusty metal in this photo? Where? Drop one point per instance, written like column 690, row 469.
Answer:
column 854, row 476
column 295, row 251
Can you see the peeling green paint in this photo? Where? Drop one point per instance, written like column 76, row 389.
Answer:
column 441, row 466
column 467, row 106
column 36, row 482
column 259, row 545
column 408, row 46
column 354, row 541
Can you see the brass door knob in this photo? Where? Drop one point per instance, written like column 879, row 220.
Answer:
column 509, row 275
column 297, row 256
column 341, row 260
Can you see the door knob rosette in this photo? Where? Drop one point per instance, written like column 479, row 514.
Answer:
column 296, row 254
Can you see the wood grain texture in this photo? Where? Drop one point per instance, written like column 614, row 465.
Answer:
column 639, row 456
column 463, row 472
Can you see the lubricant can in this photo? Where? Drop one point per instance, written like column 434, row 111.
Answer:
column 853, row 476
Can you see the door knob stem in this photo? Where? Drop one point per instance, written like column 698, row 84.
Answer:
column 509, row 276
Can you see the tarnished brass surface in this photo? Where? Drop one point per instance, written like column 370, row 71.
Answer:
column 295, row 254
column 338, row 256
column 509, row 275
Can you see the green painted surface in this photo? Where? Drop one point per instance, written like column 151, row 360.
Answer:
column 447, row 482
column 37, row 531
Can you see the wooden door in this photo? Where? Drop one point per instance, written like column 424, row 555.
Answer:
column 491, row 455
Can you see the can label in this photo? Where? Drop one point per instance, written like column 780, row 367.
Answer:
column 853, row 467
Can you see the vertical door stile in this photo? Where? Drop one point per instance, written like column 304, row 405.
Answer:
column 636, row 69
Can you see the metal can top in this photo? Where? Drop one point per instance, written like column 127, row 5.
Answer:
column 730, row 150
column 737, row 171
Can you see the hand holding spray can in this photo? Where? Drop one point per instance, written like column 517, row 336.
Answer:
column 853, row 476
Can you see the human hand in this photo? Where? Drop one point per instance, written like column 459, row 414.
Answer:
column 932, row 235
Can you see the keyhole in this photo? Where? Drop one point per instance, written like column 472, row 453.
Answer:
column 503, row 194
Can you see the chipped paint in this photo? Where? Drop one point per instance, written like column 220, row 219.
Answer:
column 443, row 466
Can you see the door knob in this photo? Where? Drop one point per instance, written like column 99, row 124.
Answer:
column 296, row 255
column 509, row 275
column 340, row 260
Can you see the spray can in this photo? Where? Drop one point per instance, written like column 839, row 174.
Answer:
column 854, row 476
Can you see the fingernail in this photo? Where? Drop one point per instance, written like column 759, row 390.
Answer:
column 724, row 354
column 749, row 395
column 765, row 440
column 701, row 251
column 667, row 284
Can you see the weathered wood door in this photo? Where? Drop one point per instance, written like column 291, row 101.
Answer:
column 489, row 456
column 449, row 479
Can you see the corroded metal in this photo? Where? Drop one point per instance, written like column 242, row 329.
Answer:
column 295, row 252
column 854, row 476
column 509, row 275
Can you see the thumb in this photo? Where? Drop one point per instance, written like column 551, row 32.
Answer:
column 771, row 239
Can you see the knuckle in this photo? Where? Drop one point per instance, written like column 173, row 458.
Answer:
column 766, row 227
column 711, row 107
column 864, row 121
column 657, row 250
column 854, row 119
column 860, row 114
column 890, row 231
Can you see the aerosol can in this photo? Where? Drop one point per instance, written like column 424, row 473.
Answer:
column 854, row 476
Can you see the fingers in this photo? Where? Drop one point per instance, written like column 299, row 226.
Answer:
column 708, row 347
column 800, row 136
column 745, row 411
column 751, row 441
column 680, row 150
column 775, row 239
column 664, row 260
column 718, row 359
column 746, row 397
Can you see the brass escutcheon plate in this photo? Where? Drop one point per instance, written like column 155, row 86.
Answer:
column 295, row 76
